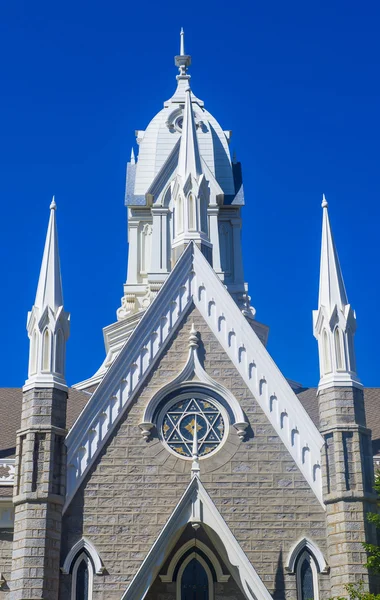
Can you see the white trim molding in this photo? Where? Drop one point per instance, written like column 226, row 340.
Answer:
column 296, row 550
column 193, row 281
column 220, row 576
column 87, row 547
column 196, row 507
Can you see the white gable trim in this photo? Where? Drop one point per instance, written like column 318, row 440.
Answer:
column 193, row 280
column 196, row 507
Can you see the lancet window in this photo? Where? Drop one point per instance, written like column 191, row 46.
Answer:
column 307, row 577
column 82, row 578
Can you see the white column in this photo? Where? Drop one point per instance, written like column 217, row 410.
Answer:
column 133, row 254
column 238, row 259
column 213, row 212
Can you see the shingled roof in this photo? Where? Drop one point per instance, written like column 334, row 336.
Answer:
column 11, row 402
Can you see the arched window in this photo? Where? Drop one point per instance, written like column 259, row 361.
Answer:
column 351, row 351
column 326, row 353
column 46, row 351
column 33, row 354
column 192, row 212
column 179, row 215
column 194, row 580
column 307, row 577
column 59, row 350
column 82, row 578
column 338, row 349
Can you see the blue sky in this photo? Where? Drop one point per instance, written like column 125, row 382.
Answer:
column 296, row 82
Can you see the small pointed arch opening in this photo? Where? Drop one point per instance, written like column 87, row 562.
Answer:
column 351, row 350
column 59, row 353
column 338, row 343
column 307, row 577
column 178, row 209
column 82, row 578
column 195, row 579
column 192, row 212
column 46, row 350
column 326, row 354
column 33, row 353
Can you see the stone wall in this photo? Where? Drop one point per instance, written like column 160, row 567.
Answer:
column 135, row 485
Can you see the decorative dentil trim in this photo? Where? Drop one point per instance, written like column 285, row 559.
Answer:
column 196, row 507
column 296, row 550
column 220, row 576
column 89, row 548
column 193, row 280
column 185, row 379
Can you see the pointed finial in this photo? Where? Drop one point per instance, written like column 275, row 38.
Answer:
column 182, row 43
column 133, row 160
column 324, row 201
column 193, row 337
column 53, row 205
column 182, row 60
column 195, row 470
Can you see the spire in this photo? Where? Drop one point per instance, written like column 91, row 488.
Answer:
column 335, row 320
column 48, row 323
column 189, row 161
column 133, row 159
column 331, row 286
column 49, row 290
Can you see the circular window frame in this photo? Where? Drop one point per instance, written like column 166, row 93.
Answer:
column 188, row 395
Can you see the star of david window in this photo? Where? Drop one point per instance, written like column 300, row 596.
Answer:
column 179, row 419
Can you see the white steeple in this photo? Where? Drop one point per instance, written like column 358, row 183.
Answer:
column 334, row 321
column 48, row 324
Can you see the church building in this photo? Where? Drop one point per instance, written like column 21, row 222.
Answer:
column 187, row 467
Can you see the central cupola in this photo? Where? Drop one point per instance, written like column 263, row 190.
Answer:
column 181, row 188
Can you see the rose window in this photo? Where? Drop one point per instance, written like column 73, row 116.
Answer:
column 180, row 420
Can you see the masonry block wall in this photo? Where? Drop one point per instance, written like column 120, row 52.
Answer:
column 135, row 485
column 38, row 495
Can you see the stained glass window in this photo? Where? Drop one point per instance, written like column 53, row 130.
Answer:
column 179, row 423
column 82, row 581
column 306, row 577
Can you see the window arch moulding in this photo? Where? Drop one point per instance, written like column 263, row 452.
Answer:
column 88, row 547
column 220, row 576
column 298, row 549
column 184, row 380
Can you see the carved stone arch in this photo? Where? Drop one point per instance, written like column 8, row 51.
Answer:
column 88, row 547
column 296, row 551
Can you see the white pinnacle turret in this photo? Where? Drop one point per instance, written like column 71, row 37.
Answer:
column 49, row 289
column 334, row 321
column 48, row 323
column 331, row 286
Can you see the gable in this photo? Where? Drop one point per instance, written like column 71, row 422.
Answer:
column 134, row 485
column 194, row 281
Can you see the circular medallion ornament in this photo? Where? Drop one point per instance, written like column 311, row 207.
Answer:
column 181, row 418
